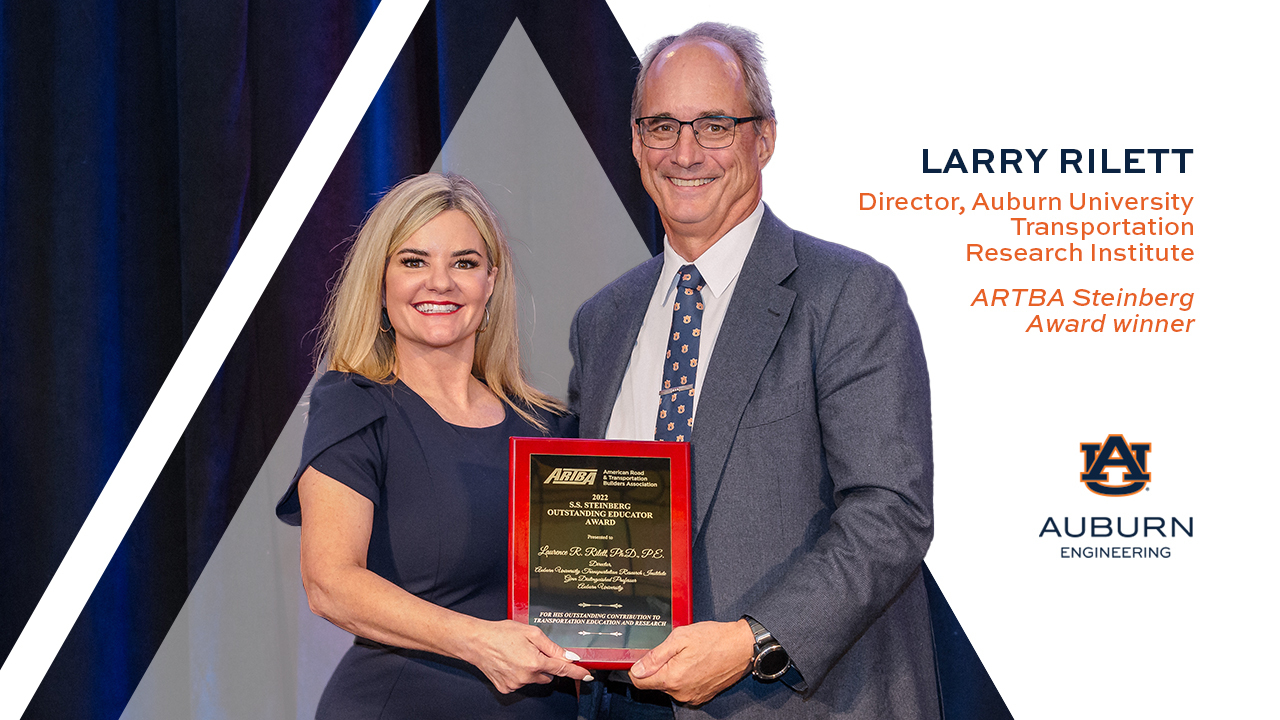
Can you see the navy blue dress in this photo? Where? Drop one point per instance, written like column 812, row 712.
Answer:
column 440, row 522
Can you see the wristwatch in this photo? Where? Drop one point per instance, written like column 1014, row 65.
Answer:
column 771, row 661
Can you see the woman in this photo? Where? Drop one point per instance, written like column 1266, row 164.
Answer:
column 402, row 489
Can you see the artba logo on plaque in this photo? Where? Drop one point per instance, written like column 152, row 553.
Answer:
column 1116, row 468
column 571, row 476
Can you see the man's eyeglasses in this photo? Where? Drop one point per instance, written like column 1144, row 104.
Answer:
column 713, row 133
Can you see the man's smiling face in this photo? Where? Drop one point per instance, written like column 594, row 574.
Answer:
column 701, row 194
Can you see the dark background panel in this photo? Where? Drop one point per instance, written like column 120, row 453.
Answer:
column 138, row 143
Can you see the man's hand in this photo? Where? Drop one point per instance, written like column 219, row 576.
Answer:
column 697, row 661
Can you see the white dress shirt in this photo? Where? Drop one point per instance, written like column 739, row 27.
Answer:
column 635, row 412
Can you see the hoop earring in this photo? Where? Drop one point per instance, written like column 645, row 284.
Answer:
column 385, row 323
column 484, row 324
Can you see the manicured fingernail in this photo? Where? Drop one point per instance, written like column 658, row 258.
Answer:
column 588, row 678
column 571, row 656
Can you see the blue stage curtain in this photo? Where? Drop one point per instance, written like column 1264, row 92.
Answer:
column 138, row 143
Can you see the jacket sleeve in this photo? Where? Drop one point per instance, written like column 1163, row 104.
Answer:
column 872, row 396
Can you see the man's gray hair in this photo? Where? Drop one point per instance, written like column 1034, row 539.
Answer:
column 744, row 43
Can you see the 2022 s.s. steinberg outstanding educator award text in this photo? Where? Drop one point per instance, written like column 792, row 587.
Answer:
column 600, row 544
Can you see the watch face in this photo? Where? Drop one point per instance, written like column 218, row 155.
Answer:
column 772, row 662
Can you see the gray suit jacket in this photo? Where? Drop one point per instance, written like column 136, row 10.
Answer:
column 812, row 471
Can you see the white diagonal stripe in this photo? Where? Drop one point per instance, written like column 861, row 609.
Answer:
column 204, row 352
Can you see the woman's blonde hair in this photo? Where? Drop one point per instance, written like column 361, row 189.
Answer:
column 351, row 336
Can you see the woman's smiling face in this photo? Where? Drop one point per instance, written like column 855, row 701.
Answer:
column 437, row 284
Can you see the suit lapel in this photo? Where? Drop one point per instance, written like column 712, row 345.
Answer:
column 757, row 313
column 617, row 332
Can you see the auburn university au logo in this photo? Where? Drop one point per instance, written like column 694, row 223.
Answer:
column 571, row 476
column 1115, row 453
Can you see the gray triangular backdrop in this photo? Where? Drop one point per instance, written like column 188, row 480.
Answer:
column 245, row 644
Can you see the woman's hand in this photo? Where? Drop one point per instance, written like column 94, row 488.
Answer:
column 336, row 526
column 513, row 655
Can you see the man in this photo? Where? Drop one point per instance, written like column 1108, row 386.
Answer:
column 812, row 460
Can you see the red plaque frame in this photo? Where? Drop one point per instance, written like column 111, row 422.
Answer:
column 518, row 578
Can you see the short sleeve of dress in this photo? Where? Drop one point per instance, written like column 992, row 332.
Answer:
column 344, row 439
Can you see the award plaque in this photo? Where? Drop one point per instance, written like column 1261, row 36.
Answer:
column 600, row 540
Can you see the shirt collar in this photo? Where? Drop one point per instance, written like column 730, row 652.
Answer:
column 720, row 264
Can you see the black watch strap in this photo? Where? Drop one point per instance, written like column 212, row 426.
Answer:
column 766, row 643
column 793, row 679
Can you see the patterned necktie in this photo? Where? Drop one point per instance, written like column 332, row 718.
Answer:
column 675, row 404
